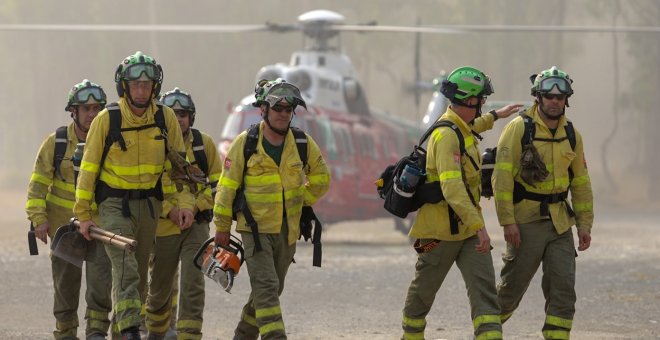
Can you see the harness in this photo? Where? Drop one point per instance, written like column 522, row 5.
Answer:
column 103, row 190
column 240, row 203
column 519, row 191
column 202, row 162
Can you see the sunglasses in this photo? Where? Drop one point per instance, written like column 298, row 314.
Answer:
column 551, row 96
column 280, row 108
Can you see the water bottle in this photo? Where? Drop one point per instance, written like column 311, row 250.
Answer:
column 409, row 178
column 77, row 159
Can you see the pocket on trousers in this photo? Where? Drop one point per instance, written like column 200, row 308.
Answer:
column 432, row 257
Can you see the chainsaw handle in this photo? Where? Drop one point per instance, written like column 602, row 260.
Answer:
column 201, row 251
column 238, row 247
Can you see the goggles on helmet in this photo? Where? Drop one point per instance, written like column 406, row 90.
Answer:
column 548, row 84
column 488, row 87
column 135, row 71
column 83, row 95
column 171, row 99
column 284, row 91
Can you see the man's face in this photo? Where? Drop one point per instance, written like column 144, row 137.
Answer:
column 280, row 114
column 183, row 117
column 553, row 104
column 140, row 90
column 87, row 113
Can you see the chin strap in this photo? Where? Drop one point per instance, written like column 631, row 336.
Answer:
column 130, row 99
column 74, row 115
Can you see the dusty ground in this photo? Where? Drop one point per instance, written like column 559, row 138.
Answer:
column 359, row 292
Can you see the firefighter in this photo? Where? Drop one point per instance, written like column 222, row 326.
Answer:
column 540, row 158
column 174, row 243
column 51, row 196
column 453, row 230
column 276, row 186
column 130, row 145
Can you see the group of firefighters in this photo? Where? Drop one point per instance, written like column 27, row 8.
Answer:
column 148, row 175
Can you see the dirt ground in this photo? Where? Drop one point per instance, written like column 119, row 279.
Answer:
column 360, row 290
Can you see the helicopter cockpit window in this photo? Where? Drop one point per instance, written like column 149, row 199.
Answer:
column 324, row 137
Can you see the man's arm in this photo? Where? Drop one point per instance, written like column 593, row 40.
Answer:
column 90, row 166
column 582, row 195
column 507, row 164
column 40, row 181
column 317, row 173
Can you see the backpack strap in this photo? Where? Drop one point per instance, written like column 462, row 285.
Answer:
column 240, row 203
column 198, row 151
column 61, row 142
column 114, row 132
column 301, row 144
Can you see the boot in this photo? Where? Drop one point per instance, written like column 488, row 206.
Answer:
column 131, row 333
column 96, row 336
column 153, row 336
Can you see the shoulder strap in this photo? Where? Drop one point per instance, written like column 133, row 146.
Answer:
column 570, row 134
column 530, row 129
column 159, row 118
column 61, row 142
column 198, row 151
column 301, row 144
column 114, row 131
column 461, row 142
column 250, row 147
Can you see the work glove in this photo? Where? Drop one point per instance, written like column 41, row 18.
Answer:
column 306, row 226
column 183, row 173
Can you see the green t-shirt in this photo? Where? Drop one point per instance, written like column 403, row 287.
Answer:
column 274, row 151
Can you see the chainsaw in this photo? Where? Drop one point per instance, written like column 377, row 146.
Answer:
column 220, row 263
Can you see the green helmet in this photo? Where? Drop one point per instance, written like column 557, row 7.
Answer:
column 138, row 66
column 552, row 80
column 465, row 82
column 85, row 92
column 270, row 92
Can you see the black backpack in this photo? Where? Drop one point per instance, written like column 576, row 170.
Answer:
column 489, row 155
column 399, row 205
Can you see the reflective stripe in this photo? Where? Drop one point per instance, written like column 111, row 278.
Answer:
column 128, row 304
column 229, row 183
column 504, row 317
column 89, row 167
column 220, row 210
column 265, row 312
column 580, row 180
column 248, row 319
column 195, row 324
column 413, row 336
column 289, row 194
column 135, row 170
column 559, row 322
column 262, row 180
column 432, row 178
column 35, row 202
column 482, row 319
column 416, row 323
column 169, row 189
column 556, row 334
column 504, row 196
column 583, row 207
column 98, row 315
column 84, row 194
column 215, row 177
column 445, row 175
column 120, row 183
column 490, row 335
column 60, row 201
column 198, row 148
column 61, row 140
column 506, row 166
column 469, row 140
column 319, row 179
column 41, row 179
column 64, row 186
column 263, row 198
column 158, row 317
column 436, row 135
column 270, row 327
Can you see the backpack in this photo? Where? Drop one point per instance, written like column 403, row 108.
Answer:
column 61, row 142
column 489, row 155
column 307, row 216
column 400, row 204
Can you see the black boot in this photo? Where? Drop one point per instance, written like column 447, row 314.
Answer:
column 131, row 333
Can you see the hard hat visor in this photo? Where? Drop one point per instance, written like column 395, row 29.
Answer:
column 557, row 85
column 184, row 102
column 284, row 91
column 89, row 95
column 135, row 71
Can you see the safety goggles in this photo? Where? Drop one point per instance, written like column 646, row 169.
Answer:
column 171, row 100
column 135, row 71
column 83, row 95
column 488, row 87
column 284, row 91
column 549, row 83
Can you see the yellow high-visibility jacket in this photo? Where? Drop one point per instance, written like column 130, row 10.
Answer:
column 51, row 196
column 270, row 189
column 558, row 158
column 203, row 197
column 139, row 167
column 443, row 164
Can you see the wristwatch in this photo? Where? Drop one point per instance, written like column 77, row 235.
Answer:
column 494, row 114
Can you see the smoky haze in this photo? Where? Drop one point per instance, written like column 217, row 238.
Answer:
column 617, row 77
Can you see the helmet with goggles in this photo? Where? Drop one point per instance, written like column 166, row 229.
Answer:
column 552, row 80
column 138, row 66
column 179, row 100
column 465, row 82
column 85, row 92
column 270, row 92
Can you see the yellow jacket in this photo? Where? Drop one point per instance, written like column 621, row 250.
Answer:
column 203, row 198
column 558, row 157
column 51, row 196
column 443, row 164
column 137, row 168
column 270, row 189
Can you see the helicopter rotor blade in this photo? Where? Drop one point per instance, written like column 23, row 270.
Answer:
column 139, row 28
column 453, row 29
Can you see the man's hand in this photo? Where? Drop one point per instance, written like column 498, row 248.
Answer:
column 41, row 232
column 508, row 110
column 585, row 239
column 173, row 215
column 84, row 228
column 484, row 241
column 512, row 235
column 222, row 238
column 186, row 218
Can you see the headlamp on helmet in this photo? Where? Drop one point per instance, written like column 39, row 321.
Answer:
column 86, row 92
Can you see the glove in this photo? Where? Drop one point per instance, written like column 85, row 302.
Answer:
column 183, row 173
column 306, row 219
